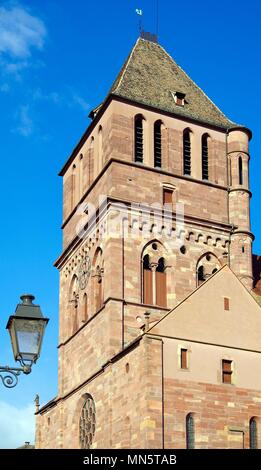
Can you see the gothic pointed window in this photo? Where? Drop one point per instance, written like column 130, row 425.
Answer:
column 186, row 153
column 147, row 281
column 161, row 285
column 138, row 139
column 190, row 431
column 240, row 171
column 253, row 433
column 157, row 144
column 204, row 156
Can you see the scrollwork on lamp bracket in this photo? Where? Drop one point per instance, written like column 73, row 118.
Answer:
column 9, row 375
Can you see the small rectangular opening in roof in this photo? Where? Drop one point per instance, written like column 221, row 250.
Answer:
column 179, row 97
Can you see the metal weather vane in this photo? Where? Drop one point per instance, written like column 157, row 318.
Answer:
column 139, row 12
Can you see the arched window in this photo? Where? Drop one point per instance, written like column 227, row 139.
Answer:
column 190, row 431
column 138, row 139
column 87, row 424
column 204, row 156
column 85, row 308
column 80, row 175
column 253, row 433
column 240, row 171
column 161, row 285
column 154, row 271
column 73, row 186
column 147, row 281
column 157, row 144
column 97, row 280
column 207, row 265
column 99, row 299
column 74, row 300
column 100, row 156
column 186, row 153
column 201, row 275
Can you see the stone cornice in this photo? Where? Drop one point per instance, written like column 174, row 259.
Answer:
column 116, row 203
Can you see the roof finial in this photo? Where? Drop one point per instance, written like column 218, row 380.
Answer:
column 37, row 403
column 144, row 34
column 157, row 18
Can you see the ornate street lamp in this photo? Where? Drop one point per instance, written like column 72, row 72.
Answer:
column 26, row 330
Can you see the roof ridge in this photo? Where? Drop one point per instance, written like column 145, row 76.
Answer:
column 223, row 268
column 124, row 68
column 194, row 83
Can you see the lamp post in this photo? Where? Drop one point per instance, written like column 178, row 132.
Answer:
column 26, row 329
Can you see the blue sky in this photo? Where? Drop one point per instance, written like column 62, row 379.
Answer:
column 58, row 59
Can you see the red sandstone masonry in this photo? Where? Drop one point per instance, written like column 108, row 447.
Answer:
column 129, row 404
column 213, row 410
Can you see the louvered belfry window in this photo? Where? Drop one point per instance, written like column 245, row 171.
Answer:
column 157, row 144
column 190, row 431
column 204, row 149
column 186, row 153
column 253, row 434
column 139, row 139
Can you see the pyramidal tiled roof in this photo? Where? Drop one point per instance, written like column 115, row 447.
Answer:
column 150, row 77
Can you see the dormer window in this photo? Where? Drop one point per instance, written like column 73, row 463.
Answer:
column 179, row 98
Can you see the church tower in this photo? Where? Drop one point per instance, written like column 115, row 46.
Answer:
column 155, row 207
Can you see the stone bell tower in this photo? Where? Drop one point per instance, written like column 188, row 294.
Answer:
column 155, row 145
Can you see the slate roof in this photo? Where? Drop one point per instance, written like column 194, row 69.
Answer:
column 150, row 75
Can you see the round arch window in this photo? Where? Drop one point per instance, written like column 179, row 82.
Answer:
column 87, row 423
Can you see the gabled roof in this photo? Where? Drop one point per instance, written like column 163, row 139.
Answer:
column 201, row 317
column 151, row 77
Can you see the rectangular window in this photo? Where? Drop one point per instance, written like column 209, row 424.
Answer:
column 226, row 303
column 183, row 358
column 227, row 371
column 167, row 196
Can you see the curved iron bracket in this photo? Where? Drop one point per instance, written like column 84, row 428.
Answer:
column 9, row 376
